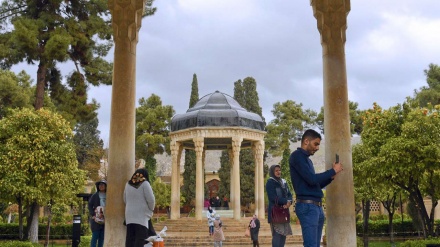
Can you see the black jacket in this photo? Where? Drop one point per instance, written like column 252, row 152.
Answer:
column 94, row 202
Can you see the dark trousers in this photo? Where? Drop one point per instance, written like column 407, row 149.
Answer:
column 136, row 235
column 278, row 240
column 255, row 243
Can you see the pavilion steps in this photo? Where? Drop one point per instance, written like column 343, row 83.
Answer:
column 188, row 231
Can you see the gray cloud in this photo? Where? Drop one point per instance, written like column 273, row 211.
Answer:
column 389, row 44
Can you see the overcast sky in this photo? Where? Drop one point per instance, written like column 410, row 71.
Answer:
column 389, row 45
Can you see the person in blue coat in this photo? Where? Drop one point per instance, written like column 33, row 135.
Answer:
column 308, row 187
column 278, row 190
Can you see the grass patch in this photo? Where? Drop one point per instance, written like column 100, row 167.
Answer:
column 381, row 244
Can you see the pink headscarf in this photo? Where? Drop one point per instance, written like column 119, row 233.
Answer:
column 253, row 225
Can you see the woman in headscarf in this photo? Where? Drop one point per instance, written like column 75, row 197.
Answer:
column 278, row 191
column 218, row 235
column 139, row 205
column 254, row 227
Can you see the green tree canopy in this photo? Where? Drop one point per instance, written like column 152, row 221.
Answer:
column 286, row 127
column 431, row 93
column 355, row 118
column 162, row 193
column 15, row 91
column 401, row 147
column 37, row 159
column 49, row 32
column 152, row 130
column 89, row 148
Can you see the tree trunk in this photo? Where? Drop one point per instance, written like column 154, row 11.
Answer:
column 33, row 227
column 41, row 83
column 391, row 227
column 389, row 205
column 420, row 205
column 366, row 216
column 20, row 219
column 49, row 219
column 434, row 203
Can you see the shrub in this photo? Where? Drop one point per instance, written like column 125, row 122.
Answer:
column 381, row 228
column 419, row 243
column 16, row 244
column 62, row 231
column 85, row 241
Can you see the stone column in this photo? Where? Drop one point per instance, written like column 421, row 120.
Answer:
column 231, row 171
column 259, row 178
column 176, row 151
column 198, row 144
column 236, row 145
column 256, row 176
column 126, row 22
column 332, row 24
column 203, row 177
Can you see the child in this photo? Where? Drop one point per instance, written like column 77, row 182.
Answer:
column 218, row 235
column 211, row 223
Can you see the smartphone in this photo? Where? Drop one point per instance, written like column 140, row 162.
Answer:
column 337, row 158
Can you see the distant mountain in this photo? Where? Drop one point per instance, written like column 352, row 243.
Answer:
column 213, row 159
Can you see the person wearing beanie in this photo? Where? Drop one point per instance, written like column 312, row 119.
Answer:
column 96, row 208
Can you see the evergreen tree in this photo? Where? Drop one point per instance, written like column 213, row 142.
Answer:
column 152, row 131
column 224, row 173
column 89, row 148
column 189, row 173
column 71, row 99
column 194, row 97
column 431, row 93
column 245, row 92
column 15, row 91
column 287, row 126
column 285, row 168
column 356, row 124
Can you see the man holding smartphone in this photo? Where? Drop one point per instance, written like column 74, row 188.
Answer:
column 308, row 187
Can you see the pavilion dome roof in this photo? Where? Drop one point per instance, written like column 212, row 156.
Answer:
column 217, row 110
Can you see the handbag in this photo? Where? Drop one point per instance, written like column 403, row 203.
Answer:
column 279, row 213
column 247, row 233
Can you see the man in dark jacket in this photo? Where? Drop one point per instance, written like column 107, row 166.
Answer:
column 96, row 213
column 308, row 187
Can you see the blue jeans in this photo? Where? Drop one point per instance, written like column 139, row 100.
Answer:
column 97, row 236
column 278, row 240
column 311, row 218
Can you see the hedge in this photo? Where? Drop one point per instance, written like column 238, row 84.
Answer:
column 381, row 228
column 420, row 243
column 16, row 244
column 85, row 241
column 60, row 231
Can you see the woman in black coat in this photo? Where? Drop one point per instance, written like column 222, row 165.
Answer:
column 254, row 227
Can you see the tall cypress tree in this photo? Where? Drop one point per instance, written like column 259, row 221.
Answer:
column 245, row 92
column 89, row 148
column 189, row 174
column 224, row 175
column 285, row 169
